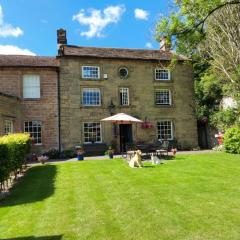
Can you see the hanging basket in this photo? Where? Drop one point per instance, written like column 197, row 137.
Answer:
column 147, row 125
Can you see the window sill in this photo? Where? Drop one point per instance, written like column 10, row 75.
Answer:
column 162, row 81
column 31, row 99
column 164, row 106
column 90, row 107
column 92, row 79
column 38, row 145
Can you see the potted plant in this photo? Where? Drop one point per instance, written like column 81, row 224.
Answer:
column 80, row 153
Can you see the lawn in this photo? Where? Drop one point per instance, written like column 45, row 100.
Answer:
column 192, row 197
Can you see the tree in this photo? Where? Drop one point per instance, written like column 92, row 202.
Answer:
column 209, row 33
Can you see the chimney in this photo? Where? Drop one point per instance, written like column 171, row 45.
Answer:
column 164, row 44
column 61, row 37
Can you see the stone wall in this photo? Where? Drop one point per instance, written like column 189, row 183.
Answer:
column 141, row 84
column 44, row 109
column 9, row 110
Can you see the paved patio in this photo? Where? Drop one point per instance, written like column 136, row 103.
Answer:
column 120, row 156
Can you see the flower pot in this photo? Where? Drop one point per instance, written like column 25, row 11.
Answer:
column 80, row 157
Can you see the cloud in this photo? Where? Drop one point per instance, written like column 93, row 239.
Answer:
column 149, row 45
column 6, row 29
column 14, row 50
column 97, row 19
column 141, row 14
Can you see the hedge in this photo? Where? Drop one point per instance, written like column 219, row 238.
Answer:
column 13, row 151
column 231, row 140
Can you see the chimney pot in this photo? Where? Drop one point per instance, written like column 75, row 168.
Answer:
column 61, row 36
column 164, row 45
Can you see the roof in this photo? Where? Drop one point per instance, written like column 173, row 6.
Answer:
column 27, row 61
column 118, row 53
column 8, row 95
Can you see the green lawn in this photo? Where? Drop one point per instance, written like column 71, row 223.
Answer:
column 193, row 197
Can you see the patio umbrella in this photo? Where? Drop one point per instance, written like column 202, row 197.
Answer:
column 122, row 118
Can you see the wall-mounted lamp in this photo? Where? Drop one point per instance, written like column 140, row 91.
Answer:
column 111, row 108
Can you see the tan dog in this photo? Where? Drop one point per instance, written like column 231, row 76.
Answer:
column 136, row 161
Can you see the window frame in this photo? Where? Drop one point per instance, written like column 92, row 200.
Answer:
column 95, row 78
column 158, row 131
column 161, row 79
column 121, row 96
column 101, row 140
column 92, row 105
column 38, row 143
column 11, row 126
column 24, row 87
column 162, row 104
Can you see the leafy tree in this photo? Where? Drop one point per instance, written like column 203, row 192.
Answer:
column 209, row 33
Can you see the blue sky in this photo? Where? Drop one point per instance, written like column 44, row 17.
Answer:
column 32, row 25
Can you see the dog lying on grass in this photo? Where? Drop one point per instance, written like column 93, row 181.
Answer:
column 136, row 161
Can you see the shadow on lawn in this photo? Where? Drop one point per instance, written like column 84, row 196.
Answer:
column 56, row 237
column 36, row 185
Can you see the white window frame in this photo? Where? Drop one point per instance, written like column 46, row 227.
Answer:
column 170, row 97
column 100, row 97
column 124, row 96
column 162, row 79
column 91, row 77
column 8, row 126
column 88, row 142
column 31, row 87
column 32, row 132
column 158, row 131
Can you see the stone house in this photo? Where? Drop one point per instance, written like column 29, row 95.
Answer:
column 98, row 82
column 29, row 98
column 61, row 101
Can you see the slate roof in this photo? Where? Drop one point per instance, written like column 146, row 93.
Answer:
column 27, row 61
column 8, row 95
column 118, row 53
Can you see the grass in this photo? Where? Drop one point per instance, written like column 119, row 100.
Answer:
column 193, row 197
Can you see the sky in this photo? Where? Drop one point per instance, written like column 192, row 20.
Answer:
column 29, row 26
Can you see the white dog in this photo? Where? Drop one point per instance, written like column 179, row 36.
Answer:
column 155, row 159
column 136, row 161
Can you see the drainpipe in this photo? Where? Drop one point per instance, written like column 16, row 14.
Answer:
column 59, row 109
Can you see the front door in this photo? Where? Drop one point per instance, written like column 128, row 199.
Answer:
column 125, row 136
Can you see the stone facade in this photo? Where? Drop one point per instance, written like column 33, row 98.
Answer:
column 43, row 109
column 142, row 84
column 10, row 110
column 61, row 93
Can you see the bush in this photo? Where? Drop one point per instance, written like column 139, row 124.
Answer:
column 231, row 140
column 224, row 119
column 13, row 149
column 68, row 153
column 53, row 154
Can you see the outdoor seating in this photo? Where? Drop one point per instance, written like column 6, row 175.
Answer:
column 94, row 149
column 163, row 149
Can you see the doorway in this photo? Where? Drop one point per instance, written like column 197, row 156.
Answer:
column 126, row 136
column 202, row 135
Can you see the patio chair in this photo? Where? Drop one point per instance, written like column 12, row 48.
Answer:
column 163, row 148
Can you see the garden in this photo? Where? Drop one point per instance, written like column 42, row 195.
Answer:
column 194, row 196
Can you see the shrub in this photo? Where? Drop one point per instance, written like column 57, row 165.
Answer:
column 13, row 149
column 231, row 140
column 224, row 118
column 53, row 154
column 68, row 153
